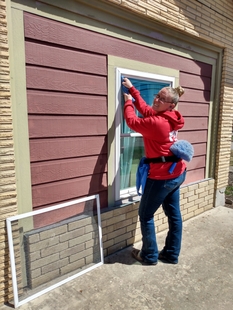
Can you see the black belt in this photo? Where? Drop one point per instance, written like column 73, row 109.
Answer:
column 162, row 159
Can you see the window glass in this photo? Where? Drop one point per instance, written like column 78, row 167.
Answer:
column 131, row 145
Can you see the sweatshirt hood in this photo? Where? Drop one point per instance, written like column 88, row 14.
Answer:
column 175, row 119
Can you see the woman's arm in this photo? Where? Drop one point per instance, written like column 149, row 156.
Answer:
column 143, row 108
column 139, row 102
column 145, row 126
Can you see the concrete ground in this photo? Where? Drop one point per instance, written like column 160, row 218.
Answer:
column 203, row 279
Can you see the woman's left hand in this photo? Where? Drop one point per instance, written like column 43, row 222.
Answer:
column 126, row 82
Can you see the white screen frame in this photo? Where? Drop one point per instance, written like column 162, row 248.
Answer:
column 9, row 221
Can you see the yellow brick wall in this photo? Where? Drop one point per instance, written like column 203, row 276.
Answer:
column 211, row 21
column 8, row 201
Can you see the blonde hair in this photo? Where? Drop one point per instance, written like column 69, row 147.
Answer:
column 176, row 93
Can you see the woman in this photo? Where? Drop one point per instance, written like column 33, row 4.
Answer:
column 158, row 127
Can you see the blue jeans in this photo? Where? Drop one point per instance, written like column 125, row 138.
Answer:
column 167, row 194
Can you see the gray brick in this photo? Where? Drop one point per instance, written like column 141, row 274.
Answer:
column 89, row 228
column 72, row 234
column 80, row 240
column 89, row 244
column 94, row 257
column 54, row 232
column 35, row 273
column 73, row 267
column 80, row 255
column 71, row 251
column 55, row 265
column 89, row 259
column 33, row 238
column 44, row 261
column 116, row 247
column 79, row 223
column 54, row 249
column 43, row 244
column 122, row 237
column 44, row 278
column 33, row 256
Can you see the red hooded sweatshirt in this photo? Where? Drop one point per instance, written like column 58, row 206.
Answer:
column 159, row 131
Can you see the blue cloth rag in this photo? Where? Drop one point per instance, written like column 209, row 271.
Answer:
column 141, row 175
column 125, row 89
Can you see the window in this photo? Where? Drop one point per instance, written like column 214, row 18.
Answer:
column 129, row 144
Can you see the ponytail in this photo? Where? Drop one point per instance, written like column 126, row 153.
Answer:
column 176, row 93
column 179, row 90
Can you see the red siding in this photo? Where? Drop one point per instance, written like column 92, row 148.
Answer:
column 52, row 32
column 66, row 69
column 65, row 103
column 58, row 80
column 54, row 57
column 45, row 194
column 55, row 170
column 59, row 148
column 66, row 126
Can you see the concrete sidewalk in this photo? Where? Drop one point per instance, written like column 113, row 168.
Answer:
column 203, row 279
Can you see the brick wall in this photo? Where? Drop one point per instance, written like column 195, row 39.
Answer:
column 212, row 22
column 72, row 245
column 56, row 250
column 121, row 228
column 8, row 196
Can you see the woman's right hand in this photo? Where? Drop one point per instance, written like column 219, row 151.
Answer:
column 127, row 97
column 126, row 82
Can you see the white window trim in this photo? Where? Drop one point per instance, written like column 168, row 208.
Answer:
column 129, row 192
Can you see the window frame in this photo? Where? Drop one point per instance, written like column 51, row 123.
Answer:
column 125, row 194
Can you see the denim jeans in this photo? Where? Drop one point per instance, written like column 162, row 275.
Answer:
column 167, row 194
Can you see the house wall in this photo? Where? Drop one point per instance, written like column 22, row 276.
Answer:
column 66, row 83
column 211, row 22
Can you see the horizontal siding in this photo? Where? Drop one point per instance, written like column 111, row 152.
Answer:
column 59, row 80
column 49, row 31
column 194, row 95
column 42, row 102
column 67, row 106
column 194, row 109
column 55, row 170
column 59, row 148
column 57, row 57
column 195, row 81
column 195, row 123
column 196, row 163
column 196, row 175
column 199, row 136
column 199, row 149
column 56, row 192
column 66, row 126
